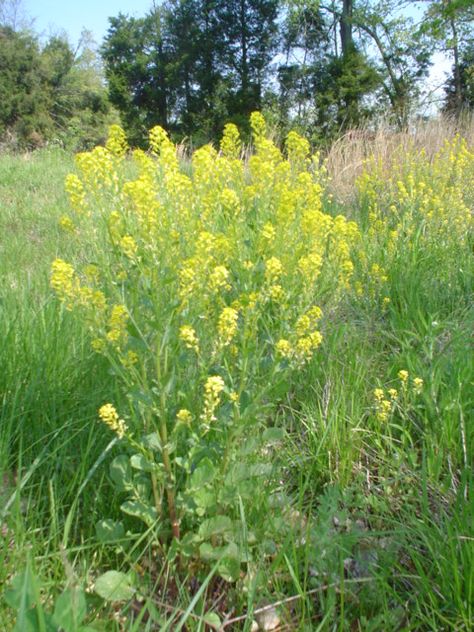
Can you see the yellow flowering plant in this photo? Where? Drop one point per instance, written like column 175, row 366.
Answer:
column 209, row 290
column 395, row 410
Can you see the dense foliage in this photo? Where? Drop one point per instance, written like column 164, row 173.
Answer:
column 191, row 65
column 50, row 92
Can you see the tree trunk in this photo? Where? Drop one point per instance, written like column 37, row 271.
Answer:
column 243, row 42
column 347, row 43
column 457, row 69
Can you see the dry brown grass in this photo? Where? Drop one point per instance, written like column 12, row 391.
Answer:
column 348, row 154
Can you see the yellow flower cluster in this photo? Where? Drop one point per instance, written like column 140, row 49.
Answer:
column 109, row 415
column 129, row 246
column 117, row 141
column 383, row 406
column 117, row 326
column 188, row 335
column 227, row 325
column 416, row 382
column 212, row 395
column 67, row 224
column 306, row 340
column 273, row 269
column 184, row 417
column 297, row 148
column 435, row 193
column 384, row 402
column 232, row 244
column 64, row 281
column 230, row 143
column 75, row 190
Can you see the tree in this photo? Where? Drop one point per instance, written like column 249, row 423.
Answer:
column 330, row 78
column 51, row 92
column 23, row 98
column 190, row 64
column 250, row 38
column 449, row 23
column 135, row 62
column 461, row 85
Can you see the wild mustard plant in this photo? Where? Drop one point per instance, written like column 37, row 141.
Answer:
column 415, row 210
column 205, row 290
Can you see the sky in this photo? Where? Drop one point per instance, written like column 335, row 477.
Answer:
column 55, row 16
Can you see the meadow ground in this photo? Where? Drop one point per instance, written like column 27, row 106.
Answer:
column 377, row 485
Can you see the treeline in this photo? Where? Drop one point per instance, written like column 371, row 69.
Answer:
column 191, row 65
column 49, row 91
column 323, row 66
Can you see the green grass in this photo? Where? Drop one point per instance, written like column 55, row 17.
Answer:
column 384, row 515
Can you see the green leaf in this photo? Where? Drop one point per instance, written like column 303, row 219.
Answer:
column 70, row 609
column 114, row 586
column 229, row 569
column 139, row 462
column 188, row 544
column 109, row 531
column 237, row 472
column 210, row 553
column 215, row 526
column 138, row 509
column 203, row 474
column 121, row 473
column 251, row 445
column 153, row 441
column 273, row 435
column 212, row 619
column 142, row 485
column 204, row 499
column 21, row 591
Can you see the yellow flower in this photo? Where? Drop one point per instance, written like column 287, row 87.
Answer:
column 268, row 232
column 129, row 246
column 130, row 359
column 276, row 293
column 383, row 410
column 212, row 390
column 92, row 273
column 184, row 417
column 75, row 190
column 393, row 393
column 273, row 269
column 379, row 394
column 67, row 224
column 117, row 326
column 283, row 347
column 403, row 375
column 99, row 345
column 417, row 385
column 230, row 143
column 219, row 279
column 306, row 345
column 110, row 417
column 189, row 337
column 227, row 325
column 63, row 281
column 117, row 141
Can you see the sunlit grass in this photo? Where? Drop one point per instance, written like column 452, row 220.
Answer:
column 382, row 510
